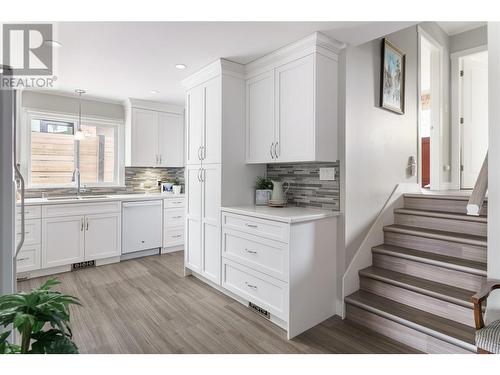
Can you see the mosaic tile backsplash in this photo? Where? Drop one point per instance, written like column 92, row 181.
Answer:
column 137, row 180
column 306, row 189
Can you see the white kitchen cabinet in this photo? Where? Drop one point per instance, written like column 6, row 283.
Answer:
column 193, row 184
column 261, row 133
column 204, row 123
column 170, row 140
column 154, row 135
column 28, row 259
column 102, row 236
column 292, row 103
column 63, row 240
column 173, row 224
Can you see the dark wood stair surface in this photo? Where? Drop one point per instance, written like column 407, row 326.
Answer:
column 420, row 320
column 460, row 264
column 444, row 292
column 438, row 234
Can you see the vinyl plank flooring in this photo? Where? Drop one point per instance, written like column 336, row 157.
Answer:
column 146, row 305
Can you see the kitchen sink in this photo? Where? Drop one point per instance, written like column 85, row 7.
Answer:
column 93, row 196
column 73, row 198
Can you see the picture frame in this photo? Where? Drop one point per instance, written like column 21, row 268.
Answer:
column 393, row 77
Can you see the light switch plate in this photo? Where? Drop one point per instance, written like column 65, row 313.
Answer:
column 327, row 174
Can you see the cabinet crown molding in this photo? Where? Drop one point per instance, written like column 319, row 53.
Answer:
column 155, row 106
column 214, row 69
column 316, row 42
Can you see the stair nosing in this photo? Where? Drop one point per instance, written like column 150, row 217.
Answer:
column 422, row 259
column 407, row 323
column 413, row 288
column 430, row 233
column 440, row 196
column 441, row 215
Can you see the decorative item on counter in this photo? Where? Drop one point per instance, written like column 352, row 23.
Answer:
column 278, row 196
column 166, row 187
column 176, row 187
column 263, row 186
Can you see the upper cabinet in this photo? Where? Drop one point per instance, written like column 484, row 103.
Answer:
column 154, row 135
column 204, row 111
column 291, row 103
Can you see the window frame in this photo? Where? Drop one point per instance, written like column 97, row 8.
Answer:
column 25, row 146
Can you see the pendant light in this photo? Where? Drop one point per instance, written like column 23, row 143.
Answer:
column 79, row 134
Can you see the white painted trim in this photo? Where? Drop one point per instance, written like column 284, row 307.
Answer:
column 155, row 106
column 436, row 165
column 375, row 236
column 212, row 70
column 456, row 137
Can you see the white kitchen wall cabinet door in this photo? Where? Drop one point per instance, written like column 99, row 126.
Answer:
column 63, row 240
column 260, row 124
column 295, row 110
column 211, row 233
column 193, row 184
column 145, row 138
column 170, row 140
column 211, row 147
column 102, row 236
column 195, row 123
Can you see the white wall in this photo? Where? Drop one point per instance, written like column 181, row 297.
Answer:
column 494, row 162
column 378, row 143
column 69, row 104
column 469, row 39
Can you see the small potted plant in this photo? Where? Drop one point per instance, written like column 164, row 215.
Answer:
column 177, row 186
column 42, row 319
column 263, row 190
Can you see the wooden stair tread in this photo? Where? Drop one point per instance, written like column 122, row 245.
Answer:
column 430, row 288
column 459, row 264
column 459, row 196
column 433, row 325
column 440, row 214
column 438, row 234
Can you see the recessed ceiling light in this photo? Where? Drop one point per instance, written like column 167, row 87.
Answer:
column 180, row 66
column 53, row 43
column 154, row 92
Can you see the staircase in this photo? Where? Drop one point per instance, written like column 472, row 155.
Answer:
column 422, row 278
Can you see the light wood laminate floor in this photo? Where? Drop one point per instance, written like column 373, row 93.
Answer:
column 146, row 305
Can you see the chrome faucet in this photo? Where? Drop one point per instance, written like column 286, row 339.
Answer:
column 76, row 176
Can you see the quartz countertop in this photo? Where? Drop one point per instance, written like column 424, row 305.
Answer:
column 289, row 214
column 108, row 198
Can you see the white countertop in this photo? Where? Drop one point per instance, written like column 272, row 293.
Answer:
column 109, row 197
column 290, row 214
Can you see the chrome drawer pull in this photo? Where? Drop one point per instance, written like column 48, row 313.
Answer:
column 177, row 236
column 250, row 285
column 176, row 202
column 251, row 225
column 176, row 217
column 26, row 233
column 250, row 251
column 21, row 259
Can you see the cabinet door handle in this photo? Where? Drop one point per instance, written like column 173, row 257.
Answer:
column 250, row 285
column 251, row 225
column 275, row 148
column 87, row 228
column 271, row 150
column 160, row 159
column 82, row 224
column 250, row 251
column 199, row 153
column 199, row 172
column 204, row 152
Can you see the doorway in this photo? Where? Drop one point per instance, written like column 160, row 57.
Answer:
column 430, row 111
column 473, row 116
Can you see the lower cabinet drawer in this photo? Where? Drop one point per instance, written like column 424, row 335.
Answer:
column 173, row 236
column 32, row 231
column 173, row 217
column 265, row 291
column 259, row 227
column 261, row 254
column 28, row 259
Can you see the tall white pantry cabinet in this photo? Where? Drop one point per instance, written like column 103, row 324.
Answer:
column 216, row 174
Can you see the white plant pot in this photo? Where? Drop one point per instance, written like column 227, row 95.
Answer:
column 262, row 197
column 176, row 189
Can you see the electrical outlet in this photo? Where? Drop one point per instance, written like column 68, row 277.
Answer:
column 327, row 174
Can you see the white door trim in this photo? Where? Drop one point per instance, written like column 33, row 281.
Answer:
column 436, row 132
column 455, row 112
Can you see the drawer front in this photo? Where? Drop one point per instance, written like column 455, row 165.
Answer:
column 259, row 227
column 173, row 217
column 33, row 231
column 30, row 212
column 28, row 259
column 266, row 292
column 173, row 237
column 75, row 209
column 173, row 203
column 261, row 254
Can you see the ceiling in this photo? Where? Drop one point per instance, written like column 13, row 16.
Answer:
column 456, row 27
column 117, row 60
